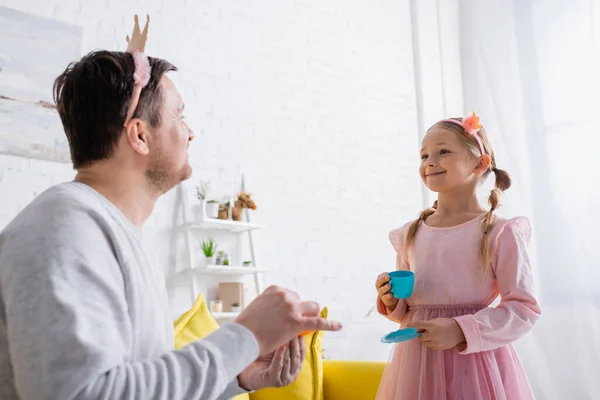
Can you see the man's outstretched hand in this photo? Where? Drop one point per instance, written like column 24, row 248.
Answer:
column 277, row 316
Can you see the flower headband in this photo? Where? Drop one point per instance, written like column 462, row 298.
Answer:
column 141, row 75
column 471, row 125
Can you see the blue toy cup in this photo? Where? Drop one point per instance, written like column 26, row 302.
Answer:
column 402, row 283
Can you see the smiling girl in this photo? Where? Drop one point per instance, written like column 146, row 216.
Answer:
column 464, row 256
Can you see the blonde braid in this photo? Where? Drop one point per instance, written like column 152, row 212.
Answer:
column 412, row 229
column 502, row 183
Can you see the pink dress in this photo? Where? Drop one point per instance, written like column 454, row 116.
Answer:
column 449, row 283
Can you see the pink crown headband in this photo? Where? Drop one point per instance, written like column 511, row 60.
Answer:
column 141, row 75
column 471, row 125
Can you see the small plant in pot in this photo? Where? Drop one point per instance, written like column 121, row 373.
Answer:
column 220, row 256
column 235, row 307
column 201, row 192
column 247, row 263
column 212, row 209
column 209, row 247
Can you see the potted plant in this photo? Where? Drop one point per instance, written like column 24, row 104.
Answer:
column 201, row 192
column 235, row 307
column 209, row 247
column 225, row 259
column 212, row 209
column 247, row 263
column 220, row 256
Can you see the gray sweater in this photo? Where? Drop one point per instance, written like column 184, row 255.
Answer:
column 84, row 312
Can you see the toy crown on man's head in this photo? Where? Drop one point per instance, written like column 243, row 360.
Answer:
column 138, row 39
column 141, row 76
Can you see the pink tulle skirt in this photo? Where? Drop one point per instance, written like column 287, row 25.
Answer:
column 417, row 372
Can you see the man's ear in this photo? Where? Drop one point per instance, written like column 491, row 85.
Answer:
column 136, row 133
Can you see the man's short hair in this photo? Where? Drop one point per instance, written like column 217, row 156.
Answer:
column 92, row 97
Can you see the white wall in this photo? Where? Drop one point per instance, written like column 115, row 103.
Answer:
column 313, row 101
column 438, row 66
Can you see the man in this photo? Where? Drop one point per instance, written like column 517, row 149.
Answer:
column 84, row 311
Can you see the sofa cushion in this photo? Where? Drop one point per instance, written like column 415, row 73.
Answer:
column 195, row 324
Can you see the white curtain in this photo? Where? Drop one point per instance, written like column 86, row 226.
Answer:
column 531, row 69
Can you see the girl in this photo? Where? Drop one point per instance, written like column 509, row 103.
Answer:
column 463, row 257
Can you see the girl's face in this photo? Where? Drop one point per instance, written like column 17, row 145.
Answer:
column 447, row 163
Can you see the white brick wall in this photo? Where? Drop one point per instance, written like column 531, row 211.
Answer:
column 314, row 101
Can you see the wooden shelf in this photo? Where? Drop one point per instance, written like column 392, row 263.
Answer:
column 227, row 270
column 225, row 315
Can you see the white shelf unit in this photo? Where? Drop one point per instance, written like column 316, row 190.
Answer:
column 225, row 225
column 225, row 315
column 192, row 229
column 228, row 270
column 219, row 270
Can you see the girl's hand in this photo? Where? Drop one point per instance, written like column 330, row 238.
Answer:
column 440, row 333
column 383, row 290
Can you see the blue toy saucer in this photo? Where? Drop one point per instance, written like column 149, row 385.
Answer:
column 401, row 335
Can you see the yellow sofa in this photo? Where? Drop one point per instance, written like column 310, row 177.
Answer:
column 351, row 380
column 341, row 380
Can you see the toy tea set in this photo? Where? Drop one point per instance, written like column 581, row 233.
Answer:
column 402, row 284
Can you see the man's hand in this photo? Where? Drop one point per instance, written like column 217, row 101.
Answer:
column 277, row 316
column 440, row 333
column 277, row 369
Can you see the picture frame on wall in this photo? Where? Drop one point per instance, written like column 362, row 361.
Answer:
column 33, row 52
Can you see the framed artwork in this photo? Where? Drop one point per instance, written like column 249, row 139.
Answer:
column 33, row 52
